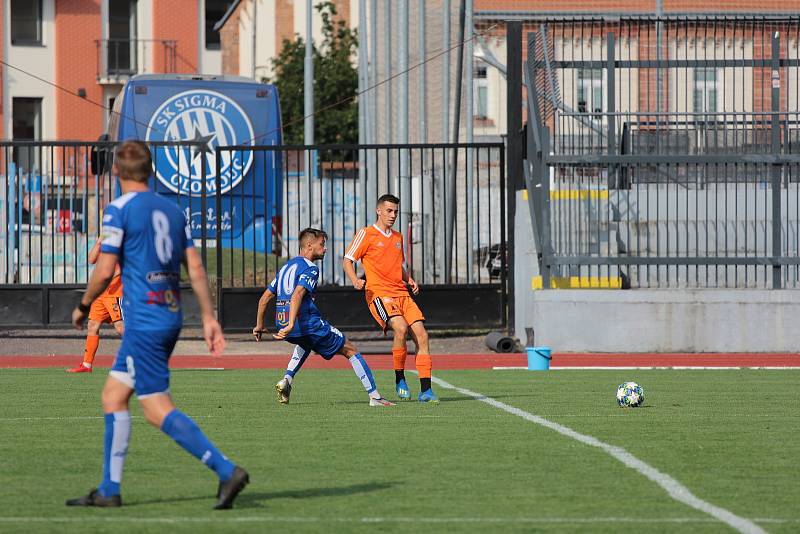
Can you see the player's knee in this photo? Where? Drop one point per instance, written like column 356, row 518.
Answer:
column 93, row 327
column 400, row 329
column 421, row 337
column 120, row 327
column 112, row 401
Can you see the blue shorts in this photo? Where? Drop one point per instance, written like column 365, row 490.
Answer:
column 325, row 341
column 142, row 362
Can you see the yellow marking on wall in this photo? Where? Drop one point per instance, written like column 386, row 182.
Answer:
column 579, row 282
column 574, row 194
column 579, row 194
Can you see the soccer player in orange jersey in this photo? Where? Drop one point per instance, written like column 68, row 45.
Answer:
column 380, row 250
column 106, row 309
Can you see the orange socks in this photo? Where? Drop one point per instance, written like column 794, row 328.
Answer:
column 399, row 357
column 90, row 350
column 424, row 365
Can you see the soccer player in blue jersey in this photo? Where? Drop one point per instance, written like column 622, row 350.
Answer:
column 300, row 322
column 148, row 236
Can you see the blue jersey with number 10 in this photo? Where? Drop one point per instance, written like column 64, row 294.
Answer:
column 149, row 236
column 297, row 272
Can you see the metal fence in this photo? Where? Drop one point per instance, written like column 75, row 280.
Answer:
column 663, row 152
column 52, row 196
column 452, row 222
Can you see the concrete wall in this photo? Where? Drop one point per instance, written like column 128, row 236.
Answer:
column 665, row 320
column 648, row 320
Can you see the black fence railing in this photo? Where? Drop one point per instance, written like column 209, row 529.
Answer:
column 246, row 206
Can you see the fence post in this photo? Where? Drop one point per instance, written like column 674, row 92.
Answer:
column 514, row 151
column 218, row 209
column 776, row 166
column 611, row 107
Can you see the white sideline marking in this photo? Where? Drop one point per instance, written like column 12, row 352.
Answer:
column 440, row 520
column 673, row 488
column 672, row 367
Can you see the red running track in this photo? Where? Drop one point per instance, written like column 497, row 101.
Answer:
column 444, row 361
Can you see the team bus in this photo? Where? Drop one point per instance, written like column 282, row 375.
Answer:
column 167, row 110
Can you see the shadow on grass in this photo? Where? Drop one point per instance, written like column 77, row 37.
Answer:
column 256, row 500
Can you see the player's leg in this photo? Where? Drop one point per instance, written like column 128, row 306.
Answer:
column 119, row 326
column 384, row 311
column 399, row 327
column 284, row 385
column 98, row 314
column 335, row 343
column 423, row 360
column 147, row 358
column 116, row 394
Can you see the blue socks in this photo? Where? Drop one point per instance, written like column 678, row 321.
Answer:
column 115, row 449
column 189, row 436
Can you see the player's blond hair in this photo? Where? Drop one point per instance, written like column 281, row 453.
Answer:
column 133, row 161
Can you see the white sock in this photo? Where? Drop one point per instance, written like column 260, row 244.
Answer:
column 361, row 369
column 288, row 378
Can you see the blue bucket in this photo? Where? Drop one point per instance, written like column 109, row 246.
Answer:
column 539, row 358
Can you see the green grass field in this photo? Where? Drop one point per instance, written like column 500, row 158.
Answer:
column 328, row 462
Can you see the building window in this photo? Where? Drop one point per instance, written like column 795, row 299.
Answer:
column 122, row 37
column 215, row 10
column 26, row 22
column 705, row 90
column 590, row 90
column 26, row 126
column 481, row 92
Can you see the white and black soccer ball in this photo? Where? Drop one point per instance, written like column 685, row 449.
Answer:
column 630, row 395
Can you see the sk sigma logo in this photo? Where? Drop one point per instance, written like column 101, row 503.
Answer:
column 212, row 119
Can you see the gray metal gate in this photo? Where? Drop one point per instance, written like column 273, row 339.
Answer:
column 663, row 152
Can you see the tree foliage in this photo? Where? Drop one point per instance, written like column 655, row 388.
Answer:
column 335, row 81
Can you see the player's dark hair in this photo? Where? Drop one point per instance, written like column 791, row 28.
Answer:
column 133, row 161
column 308, row 234
column 388, row 198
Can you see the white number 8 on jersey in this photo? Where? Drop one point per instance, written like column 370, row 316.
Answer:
column 163, row 241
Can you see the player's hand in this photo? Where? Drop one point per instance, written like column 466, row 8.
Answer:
column 212, row 332
column 257, row 331
column 413, row 285
column 284, row 332
column 359, row 284
column 78, row 317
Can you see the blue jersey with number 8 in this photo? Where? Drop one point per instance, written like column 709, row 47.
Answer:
column 149, row 235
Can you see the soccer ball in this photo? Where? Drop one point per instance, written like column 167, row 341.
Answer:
column 630, row 395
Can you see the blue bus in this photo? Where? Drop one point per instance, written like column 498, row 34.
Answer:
column 210, row 111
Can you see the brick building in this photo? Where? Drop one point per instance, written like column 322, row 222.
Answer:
column 247, row 48
column 88, row 49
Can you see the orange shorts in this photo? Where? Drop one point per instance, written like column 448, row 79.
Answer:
column 105, row 310
column 384, row 308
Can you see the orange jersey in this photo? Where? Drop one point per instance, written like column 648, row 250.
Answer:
column 382, row 257
column 114, row 288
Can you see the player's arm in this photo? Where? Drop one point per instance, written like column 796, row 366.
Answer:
column 212, row 331
column 267, row 296
column 407, row 277
column 354, row 252
column 94, row 252
column 101, row 277
column 294, row 308
column 350, row 270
